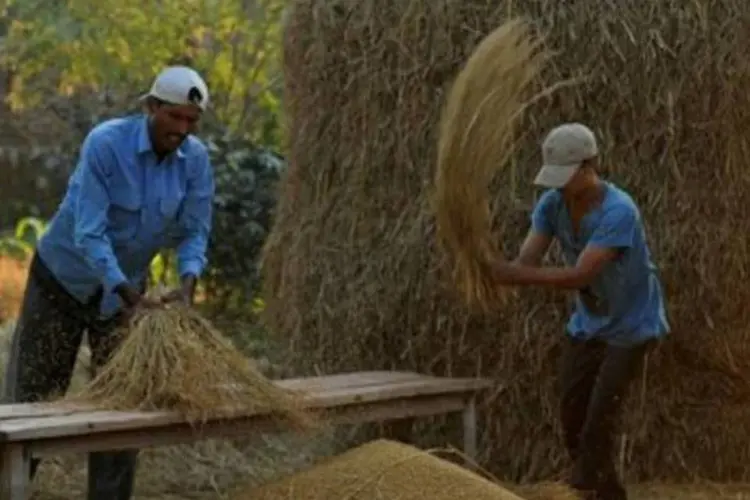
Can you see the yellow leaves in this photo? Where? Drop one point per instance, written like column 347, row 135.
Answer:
column 222, row 71
column 66, row 89
column 119, row 48
column 20, row 26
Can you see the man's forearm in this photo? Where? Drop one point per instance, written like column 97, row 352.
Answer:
column 526, row 260
column 520, row 274
column 99, row 255
column 127, row 293
column 191, row 260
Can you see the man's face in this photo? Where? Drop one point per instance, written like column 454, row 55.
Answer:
column 171, row 125
column 575, row 184
column 581, row 180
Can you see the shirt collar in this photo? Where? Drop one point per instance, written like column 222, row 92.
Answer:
column 144, row 141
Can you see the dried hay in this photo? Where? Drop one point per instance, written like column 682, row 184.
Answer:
column 173, row 359
column 353, row 276
column 478, row 130
column 381, row 469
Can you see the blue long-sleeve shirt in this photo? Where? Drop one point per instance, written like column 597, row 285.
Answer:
column 122, row 207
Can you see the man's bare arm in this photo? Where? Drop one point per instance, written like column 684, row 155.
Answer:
column 589, row 265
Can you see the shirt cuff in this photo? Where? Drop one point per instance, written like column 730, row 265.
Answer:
column 190, row 266
column 113, row 278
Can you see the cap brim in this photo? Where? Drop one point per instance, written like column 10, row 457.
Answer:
column 555, row 176
column 145, row 96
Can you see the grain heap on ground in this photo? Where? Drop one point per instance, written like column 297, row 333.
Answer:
column 478, row 134
column 382, row 469
column 172, row 358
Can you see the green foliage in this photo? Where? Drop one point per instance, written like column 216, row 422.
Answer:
column 83, row 61
column 20, row 242
column 115, row 49
column 163, row 270
column 246, row 183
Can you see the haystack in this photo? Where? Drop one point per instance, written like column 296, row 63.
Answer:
column 173, row 359
column 354, row 278
column 382, row 469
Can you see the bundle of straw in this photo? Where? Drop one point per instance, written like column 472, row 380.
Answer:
column 173, row 359
column 476, row 138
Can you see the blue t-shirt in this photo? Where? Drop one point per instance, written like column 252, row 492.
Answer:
column 625, row 303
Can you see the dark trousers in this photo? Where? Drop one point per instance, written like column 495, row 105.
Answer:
column 43, row 353
column 594, row 379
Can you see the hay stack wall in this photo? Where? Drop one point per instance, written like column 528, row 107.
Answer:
column 354, row 280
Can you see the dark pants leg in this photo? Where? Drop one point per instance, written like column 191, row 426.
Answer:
column 44, row 349
column 45, row 343
column 594, row 381
column 111, row 473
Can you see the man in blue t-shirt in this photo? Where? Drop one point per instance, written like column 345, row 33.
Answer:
column 619, row 307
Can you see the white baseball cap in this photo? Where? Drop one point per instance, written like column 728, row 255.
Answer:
column 180, row 85
column 564, row 149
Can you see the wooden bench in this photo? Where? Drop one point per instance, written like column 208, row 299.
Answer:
column 28, row 430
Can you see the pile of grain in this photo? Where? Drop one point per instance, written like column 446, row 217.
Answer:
column 172, row 358
column 384, row 469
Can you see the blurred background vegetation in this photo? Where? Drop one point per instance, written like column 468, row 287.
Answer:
column 66, row 66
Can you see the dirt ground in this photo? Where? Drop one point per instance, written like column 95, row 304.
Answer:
column 691, row 492
column 638, row 492
column 210, row 469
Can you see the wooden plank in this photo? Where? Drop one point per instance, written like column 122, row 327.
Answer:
column 427, row 385
column 14, row 471
column 94, row 422
column 33, row 410
column 315, row 384
column 343, row 380
column 353, row 379
column 469, row 418
column 179, row 433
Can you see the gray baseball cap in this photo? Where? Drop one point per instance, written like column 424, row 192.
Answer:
column 564, row 149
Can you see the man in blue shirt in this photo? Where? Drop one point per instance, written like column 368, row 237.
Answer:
column 142, row 183
column 619, row 308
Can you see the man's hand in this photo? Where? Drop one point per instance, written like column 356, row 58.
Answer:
column 134, row 301
column 183, row 294
column 176, row 295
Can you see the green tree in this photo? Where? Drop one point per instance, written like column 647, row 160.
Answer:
column 113, row 50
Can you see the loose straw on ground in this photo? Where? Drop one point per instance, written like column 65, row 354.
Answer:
column 172, row 358
column 477, row 138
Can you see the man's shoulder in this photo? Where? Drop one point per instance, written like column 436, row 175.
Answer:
column 619, row 203
column 113, row 130
column 549, row 198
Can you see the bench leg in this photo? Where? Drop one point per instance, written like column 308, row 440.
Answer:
column 470, row 429
column 14, row 475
